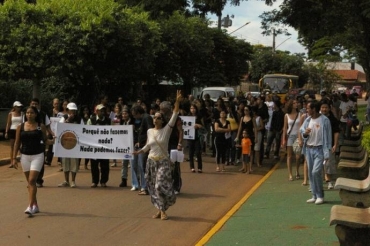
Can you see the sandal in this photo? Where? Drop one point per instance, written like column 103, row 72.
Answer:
column 143, row 192
column 304, row 184
column 290, row 179
column 157, row 215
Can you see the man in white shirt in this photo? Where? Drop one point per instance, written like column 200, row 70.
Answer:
column 317, row 135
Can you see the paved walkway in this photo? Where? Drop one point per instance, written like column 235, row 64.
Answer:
column 275, row 212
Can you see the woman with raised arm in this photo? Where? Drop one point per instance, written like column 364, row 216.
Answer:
column 158, row 168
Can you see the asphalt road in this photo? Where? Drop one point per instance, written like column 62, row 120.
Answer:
column 117, row 216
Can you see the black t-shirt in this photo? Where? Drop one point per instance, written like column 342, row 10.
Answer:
column 220, row 136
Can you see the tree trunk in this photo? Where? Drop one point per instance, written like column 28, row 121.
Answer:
column 187, row 86
column 36, row 90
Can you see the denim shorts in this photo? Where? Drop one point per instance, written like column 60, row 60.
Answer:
column 291, row 139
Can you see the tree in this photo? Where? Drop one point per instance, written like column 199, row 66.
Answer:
column 187, row 45
column 203, row 7
column 264, row 61
column 330, row 28
column 319, row 77
column 92, row 46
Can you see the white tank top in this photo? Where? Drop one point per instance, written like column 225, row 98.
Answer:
column 295, row 129
column 16, row 121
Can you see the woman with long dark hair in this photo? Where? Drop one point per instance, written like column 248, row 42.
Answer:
column 31, row 139
column 222, row 135
column 195, row 145
column 249, row 124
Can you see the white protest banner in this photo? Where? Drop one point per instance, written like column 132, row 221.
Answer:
column 94, row 141
column 53, row 123
column 188, row 123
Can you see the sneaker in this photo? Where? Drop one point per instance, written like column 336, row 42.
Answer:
column 29, row 210
column 330, row 185
column 312, row 200
column 73, row 184
column 319, row 201
column 64, row 184
column 35, row 209
column 134, row 188
column 114, row 164
column 93, row 185
column 38, row 185
column 177, row 192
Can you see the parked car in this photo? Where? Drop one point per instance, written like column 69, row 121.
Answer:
column 3, row 118
column 218, row 92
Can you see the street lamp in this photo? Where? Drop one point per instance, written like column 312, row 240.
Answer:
column 239, row 27
column 282, row 42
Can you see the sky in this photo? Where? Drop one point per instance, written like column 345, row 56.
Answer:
column 248, row 11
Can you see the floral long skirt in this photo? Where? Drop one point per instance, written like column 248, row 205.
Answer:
column 160, row 183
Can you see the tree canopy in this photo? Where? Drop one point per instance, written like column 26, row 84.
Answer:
column 68, row 47
column 329, row 29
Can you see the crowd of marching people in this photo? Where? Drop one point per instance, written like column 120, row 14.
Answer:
column 244, row 131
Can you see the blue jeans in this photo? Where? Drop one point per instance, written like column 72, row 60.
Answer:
column 138, row 172
column 315, row 160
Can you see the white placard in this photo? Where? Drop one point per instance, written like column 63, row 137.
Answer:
column 188, row 123
column 94, row 141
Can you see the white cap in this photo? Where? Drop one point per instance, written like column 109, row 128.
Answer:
column 100, row 106
column 71, row 106
column 17, row 104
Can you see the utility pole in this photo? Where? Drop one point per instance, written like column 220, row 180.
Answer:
column 273, row 40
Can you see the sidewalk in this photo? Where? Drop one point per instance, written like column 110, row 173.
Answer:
column 275, row 212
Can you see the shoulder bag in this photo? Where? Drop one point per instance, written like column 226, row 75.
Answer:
column 172, row 164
